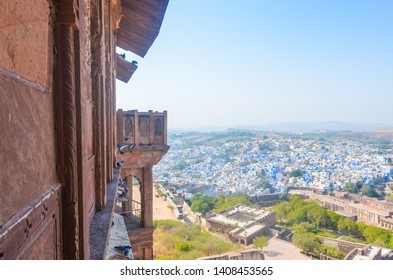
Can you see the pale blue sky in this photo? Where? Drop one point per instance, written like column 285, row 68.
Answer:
column 232, row 63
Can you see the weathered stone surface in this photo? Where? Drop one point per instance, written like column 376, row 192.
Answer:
column 35, row 231
column 27, row 147
column 143, row 156
column 142, row 243
column 243, row 255
column 118, row 236
column 57, row 92
column 24, row 38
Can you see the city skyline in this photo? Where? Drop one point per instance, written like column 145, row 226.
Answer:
column 232, row 63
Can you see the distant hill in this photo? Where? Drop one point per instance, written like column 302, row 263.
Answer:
column 382, row 136
column 383, row 133
column 297, row 127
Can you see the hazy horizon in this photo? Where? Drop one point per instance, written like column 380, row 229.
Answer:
column 292, row 127
column 250, row 63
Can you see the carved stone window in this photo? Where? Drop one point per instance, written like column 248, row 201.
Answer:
column 144, row 126
column 158, row 127
column 129, row 126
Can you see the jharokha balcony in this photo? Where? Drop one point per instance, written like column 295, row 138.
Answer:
column 141, row 143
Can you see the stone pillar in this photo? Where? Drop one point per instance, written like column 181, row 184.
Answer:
column 112, row 52
column 108, row 122
column 66, row 72
column 136, row 128
column 165, row 127
column 109, row 87
column 147, row 197
column 120, row 126
column 99, row 113
column 148, row 253
column 151, row 127
column 128, row 204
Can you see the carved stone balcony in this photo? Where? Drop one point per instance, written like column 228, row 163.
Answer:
column 142, row 138
column 142, row 128
column 142, row 142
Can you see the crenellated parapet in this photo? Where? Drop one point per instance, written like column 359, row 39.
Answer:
column 142, row 128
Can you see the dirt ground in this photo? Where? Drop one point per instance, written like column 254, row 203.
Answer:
column 161, row 210
column 281, row 250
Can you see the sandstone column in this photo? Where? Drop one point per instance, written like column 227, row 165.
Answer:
column 66, row 38
column 147, row 197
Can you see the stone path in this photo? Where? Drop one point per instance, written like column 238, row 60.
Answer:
column 160, row 208
column 281, row 250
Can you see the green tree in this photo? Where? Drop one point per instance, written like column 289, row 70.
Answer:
column 225, row 202
column 261, row 242
column 332, row 252
column 333, row 219
column 283, row 196
column 264, row 183
column 265, row 147
column 390, row 197
column 296, row 173
column 180, row 166
column 295, row 199
column 377, row 236
column 348, row 226
column 318, row 215
column 308, row 217
column 309, row 227
column 174, row 240
column 184, row 247
column 300, row 228
column 166, row 225
column 296, row 216
column 308, row 242
column 350, row 187
column 281, row 210
column 368, row 191
column 203, row 204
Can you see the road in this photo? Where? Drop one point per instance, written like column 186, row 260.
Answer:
column 161, row 211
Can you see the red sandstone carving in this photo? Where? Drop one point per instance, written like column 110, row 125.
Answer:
column 57, row 90
column 145, row 149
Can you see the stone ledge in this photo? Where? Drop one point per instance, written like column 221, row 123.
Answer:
column 102, row 222
column 118, row 236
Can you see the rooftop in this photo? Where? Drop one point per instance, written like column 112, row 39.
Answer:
column 239, row 216
column 247, row 231
column 365, row 254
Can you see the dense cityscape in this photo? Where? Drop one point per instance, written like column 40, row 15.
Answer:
column 93, row 170
column 258, row 163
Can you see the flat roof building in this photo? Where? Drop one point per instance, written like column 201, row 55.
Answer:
column 242, row 223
